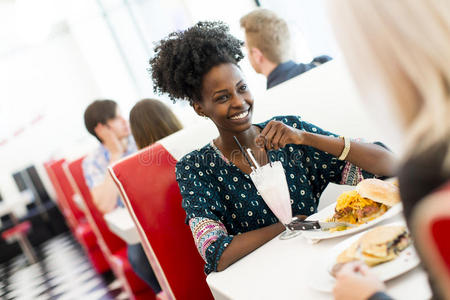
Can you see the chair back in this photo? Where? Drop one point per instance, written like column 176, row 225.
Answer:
column 67, row 189
column 60, row 195
column 147, row 183
column 94, row 216
column 431, row 228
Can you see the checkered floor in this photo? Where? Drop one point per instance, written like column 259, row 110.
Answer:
column 62, row 272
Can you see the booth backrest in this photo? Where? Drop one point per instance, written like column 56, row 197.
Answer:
column 431, row 228
column 149, row 189
column 60, row 195
column 110, row 240
column 67, row 189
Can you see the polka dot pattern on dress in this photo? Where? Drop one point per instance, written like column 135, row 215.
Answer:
column 214, row 188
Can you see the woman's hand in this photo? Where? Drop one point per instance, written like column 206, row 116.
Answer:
column 355, row 281
column 277, row 135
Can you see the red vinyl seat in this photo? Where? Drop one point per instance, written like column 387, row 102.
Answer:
column 114, row 248
column 85, row 234
column 112, row 242
column 147, row 183
column 75, row 216
column 131, row 283
column 431, row 229
column 60, row 197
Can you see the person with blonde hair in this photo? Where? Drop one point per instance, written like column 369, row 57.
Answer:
column 400, row 50
column 268, row 42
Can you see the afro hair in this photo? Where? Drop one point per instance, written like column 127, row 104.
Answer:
column 184, row 57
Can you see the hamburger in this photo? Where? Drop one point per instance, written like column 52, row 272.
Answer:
column 377, row 246
column 370, row 199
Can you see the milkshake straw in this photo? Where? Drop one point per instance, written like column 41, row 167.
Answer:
column 250, row 154
column 267, row 153
column 243, row 152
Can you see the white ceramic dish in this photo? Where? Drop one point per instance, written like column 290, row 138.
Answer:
column 322, row 280
column 328, row 212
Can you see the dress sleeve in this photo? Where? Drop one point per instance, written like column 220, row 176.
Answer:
column 327, row 166
column 204, row 213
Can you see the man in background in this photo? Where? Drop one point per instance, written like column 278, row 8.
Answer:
column 268, row 42
column 104, row 121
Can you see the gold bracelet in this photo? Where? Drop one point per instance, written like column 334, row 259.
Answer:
column 346, row 149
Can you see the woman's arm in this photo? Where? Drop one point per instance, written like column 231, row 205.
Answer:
column 245, row 243
column 370, row 157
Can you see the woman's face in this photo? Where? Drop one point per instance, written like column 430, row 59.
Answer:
column 226, row 99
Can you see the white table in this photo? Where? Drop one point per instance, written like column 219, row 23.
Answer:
column 9, row 205
column 120, row 223
column 279, row 270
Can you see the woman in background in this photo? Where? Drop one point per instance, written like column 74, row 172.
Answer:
column 150, row 121
column 401, row 51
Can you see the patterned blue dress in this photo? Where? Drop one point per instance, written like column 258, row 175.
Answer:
column 221, row 201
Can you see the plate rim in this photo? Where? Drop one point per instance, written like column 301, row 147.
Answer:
column 332, row 253
column 321, row 235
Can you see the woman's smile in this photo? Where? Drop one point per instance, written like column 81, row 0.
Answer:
column 242, row 117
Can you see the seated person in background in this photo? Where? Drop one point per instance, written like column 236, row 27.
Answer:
column 150, row 121
column 227, row 216
column 399, row 49
column 268, row 41
column 104, row 121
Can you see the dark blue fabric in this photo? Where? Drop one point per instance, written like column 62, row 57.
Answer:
column 141, row 266
column 290, row 69
column 380, row 296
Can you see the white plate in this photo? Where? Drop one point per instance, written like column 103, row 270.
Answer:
column 322, row 280
column 328, row 212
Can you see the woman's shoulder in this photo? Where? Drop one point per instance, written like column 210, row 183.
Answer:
column 291, row 120
column 196, row 156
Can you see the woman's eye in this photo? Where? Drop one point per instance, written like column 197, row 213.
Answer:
column 222, row 98
column 243, row 88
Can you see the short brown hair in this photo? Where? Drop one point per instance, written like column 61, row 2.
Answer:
column 269, row 33
column 99, row 111
column 151, row 120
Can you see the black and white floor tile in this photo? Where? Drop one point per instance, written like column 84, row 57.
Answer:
column 62, row 272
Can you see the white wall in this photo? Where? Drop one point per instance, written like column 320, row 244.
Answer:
column 309, row 25
column 56, row 56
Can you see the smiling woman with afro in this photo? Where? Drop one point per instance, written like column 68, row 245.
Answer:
column 226, row 214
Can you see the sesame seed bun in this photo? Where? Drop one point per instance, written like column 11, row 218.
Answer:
column 379, row 191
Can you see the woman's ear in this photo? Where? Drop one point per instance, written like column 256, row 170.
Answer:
column 198, row 109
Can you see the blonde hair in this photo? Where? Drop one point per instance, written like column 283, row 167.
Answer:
column 405, row 45
column 269, row 33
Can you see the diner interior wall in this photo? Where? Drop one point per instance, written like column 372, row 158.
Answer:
column 58, row 55
column 42, row 99
column 309, row 25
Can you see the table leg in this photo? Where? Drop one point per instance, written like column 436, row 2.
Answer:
column 27, row 249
